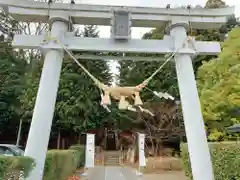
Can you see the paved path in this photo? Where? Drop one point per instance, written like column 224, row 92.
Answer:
column 166, row 176
column 112, row 173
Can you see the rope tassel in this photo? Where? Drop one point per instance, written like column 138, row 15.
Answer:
column 138, row 100
column 131, row 108
column 106, row 99
column 123, row 103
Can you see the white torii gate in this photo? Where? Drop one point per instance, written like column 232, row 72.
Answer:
column 121, row 19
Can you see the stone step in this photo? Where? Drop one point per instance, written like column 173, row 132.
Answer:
column 113, row 161
column 111, row 158
column 113, row 164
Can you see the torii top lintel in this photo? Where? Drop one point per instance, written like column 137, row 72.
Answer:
column 200, row 18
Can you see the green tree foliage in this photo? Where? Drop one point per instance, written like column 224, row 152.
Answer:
column 223, row 156
column 215, row 4
column 90, row 31
column 134, row 72
column 79, row 97
column 219, row 86
column 78, row 101
column 11, row 84
column 213, row 34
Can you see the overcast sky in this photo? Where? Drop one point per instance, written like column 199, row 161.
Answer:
column 138, row 32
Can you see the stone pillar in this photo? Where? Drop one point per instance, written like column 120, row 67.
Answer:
column 39, row 133
column 194, row 125
column 141, row 150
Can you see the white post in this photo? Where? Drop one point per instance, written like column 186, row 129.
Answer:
column 193, row 120
column 141, row 146
column 90, row 151
column 19, row 132
column 38, row 137
column 141, row 152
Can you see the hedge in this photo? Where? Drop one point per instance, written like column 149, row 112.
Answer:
column 60, row 164
column 81, row 149
column 225, row 159
column 15, row 165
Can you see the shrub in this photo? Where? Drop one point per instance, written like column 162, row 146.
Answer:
column 225, row 159
column 14, row 165
column 60, row 164
column 81, row 149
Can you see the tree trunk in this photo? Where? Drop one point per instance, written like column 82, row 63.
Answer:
column 63, row 143
column 128, row 154
column 59, row 140
column 79, row 138
column 150, row 135
column 132, row 156
column 157, row 148
column 19, row 132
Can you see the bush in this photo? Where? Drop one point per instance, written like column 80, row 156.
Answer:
column 81, row 149
column 225, row 159
column 14, row 165
column 60, row 164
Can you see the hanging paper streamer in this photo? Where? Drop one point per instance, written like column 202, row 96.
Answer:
column 90, row 151
column 146, row 111
column 141, row 144
column 163, row 95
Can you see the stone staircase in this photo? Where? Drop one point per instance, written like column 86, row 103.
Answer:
column 111, row 158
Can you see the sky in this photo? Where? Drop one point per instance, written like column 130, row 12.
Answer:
column 138, row 32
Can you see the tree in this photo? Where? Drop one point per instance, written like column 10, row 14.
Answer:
column 213, row 34
column 90, row 31
column 219, row 87
column 78, row 101
column 84, row 101
column 9, row 27
column 132, row 73
column 12, row 72
column 216, row 128
column 215, row 4
column 165, row 124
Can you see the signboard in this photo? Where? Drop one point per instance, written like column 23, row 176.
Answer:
column 90, row 151
column 121, row 25
column 141, row 145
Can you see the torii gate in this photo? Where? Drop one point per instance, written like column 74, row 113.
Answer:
column 121, row 19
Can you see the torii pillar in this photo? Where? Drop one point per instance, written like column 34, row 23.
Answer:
column 193, row 120
column 39, row 133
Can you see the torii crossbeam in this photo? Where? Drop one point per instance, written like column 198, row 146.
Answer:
column 108, row 45
column 121, row 20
